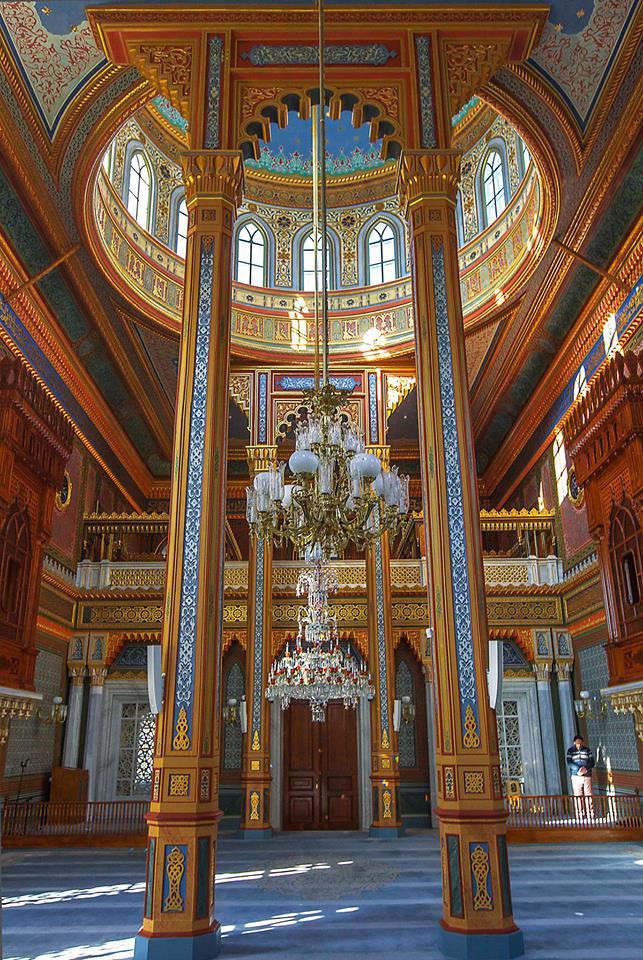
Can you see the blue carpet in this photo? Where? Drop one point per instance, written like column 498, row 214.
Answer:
column 319, row 896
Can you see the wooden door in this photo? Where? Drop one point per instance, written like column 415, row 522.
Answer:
column 320, row 769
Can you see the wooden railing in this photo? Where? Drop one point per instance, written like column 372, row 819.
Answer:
column 565, row 817
column 27, row 824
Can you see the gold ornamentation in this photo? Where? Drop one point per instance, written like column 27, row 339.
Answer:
column 179, row 785
column 137, row 576
column 255, row 741
column 410, row 613
column 235, row 613
column 480, row 871
column 239, row 387
column 181, row 740
column 252, row 96
column 471, row 739
column 255, row 765
column 204, row 787
column 427, row 173
column 387, row 802
column 174, row 871
column 517, row 611
column 449, row 783
column 168, row 68
column 473, row 781
column 213, row 172
column 254, row 805
column 156, row 785
column 397, row 389
column 386, row 745
column 470, row 65
column 629, row 701
column 117, row 613
column 63, row 496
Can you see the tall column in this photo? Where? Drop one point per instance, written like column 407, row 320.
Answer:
column 566, row 702
column 179, row 917
column 385, row 774
column 547, row 728
column 256, row 776
column 477, row 912
column 94, row 727
column 74, row 716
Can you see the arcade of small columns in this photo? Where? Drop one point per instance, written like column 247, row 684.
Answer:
column 195, row 62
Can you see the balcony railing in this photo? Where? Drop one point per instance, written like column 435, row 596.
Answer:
column 405, row 574
column 73, row 822
column 568, row 818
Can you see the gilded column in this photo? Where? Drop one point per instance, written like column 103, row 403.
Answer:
column 477, row 916
column 256, row 776
column 385, row 774
column 179, row 919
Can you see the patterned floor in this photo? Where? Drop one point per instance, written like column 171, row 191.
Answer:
column 325, row 896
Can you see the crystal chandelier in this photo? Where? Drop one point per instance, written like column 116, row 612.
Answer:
column 341, row 492
column 318, row 669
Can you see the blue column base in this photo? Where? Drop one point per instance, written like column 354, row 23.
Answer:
column 481, row 946
column 265, row 834
column 204, row 947
column 385, row 833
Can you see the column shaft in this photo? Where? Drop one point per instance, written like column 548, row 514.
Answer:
column 256, row 776
column 72, row 722
column 548, row 733
column 179, row 900
column 385, row 774
column 477, row 911
column 93, row 731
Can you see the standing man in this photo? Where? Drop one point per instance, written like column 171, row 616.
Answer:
column 580, row 761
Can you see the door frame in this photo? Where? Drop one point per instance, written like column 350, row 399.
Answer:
column 364, row 793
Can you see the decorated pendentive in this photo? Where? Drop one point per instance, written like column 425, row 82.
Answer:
column 318, row 669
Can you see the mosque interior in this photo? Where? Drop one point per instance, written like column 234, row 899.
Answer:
column 320, row 382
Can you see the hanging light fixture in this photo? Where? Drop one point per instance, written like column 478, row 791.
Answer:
column 318, row 669
column 341, row 491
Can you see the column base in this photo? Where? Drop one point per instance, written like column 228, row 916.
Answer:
column 244, row 833
column 385, row 833
column 481, row 946
column 203, row 947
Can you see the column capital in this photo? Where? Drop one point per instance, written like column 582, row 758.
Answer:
column 97, row 676
column 212, row 173
column 427, row 173
column 260, row 457
column 542, row 669
column 77, row 676
column 564, row 669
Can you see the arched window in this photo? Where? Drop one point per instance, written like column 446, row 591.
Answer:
column 382, row 260
column 15, row 558
column 181, row 228
column 610, row 334
column 493, row 187
column 580, row 381
column 560, row 466
column 251, row 255
column 626, row 548
column 139, row 191
column 310, row 261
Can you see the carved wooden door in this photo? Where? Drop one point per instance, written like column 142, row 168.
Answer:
column 320, row 769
